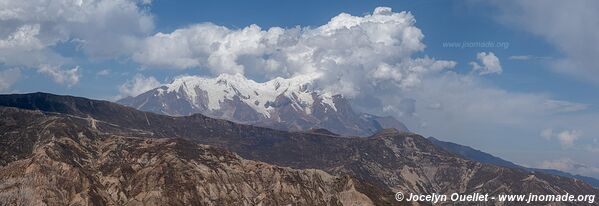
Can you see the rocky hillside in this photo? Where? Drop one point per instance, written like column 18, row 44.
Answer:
column 386, row 162
column 480, row 156
column 75, row 161
column 287, row 104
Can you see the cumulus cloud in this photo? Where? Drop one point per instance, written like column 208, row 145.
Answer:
column 343, row 51
column 98, row 27
column 137, row 85
column 566, row 137
column 31, row 30
column 22, row 47
column 23, row 38
column 565, row 24
column 571, row 166
column 490, row 64
column 68, row 77
column 8, row 77
column 372, row 59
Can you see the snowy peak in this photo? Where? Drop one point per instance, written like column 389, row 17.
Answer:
column 288, row 104
column 259, row 96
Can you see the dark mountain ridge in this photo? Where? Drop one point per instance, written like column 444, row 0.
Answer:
column 389, row 160
column 480, row 156
column 78, row 161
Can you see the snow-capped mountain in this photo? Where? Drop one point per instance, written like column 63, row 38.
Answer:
column 288, row 104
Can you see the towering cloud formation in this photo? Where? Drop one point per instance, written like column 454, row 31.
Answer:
column 350, row 53
column 373, row 59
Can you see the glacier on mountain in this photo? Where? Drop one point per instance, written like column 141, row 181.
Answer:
column 294, row 104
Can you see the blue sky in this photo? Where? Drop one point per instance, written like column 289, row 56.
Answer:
column 447, row 21
column 545, row 58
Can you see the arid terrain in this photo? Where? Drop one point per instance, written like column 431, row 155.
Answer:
column 62, row 149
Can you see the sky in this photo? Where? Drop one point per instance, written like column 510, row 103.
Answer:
column 517, row 79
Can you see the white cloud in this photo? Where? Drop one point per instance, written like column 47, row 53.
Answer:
column 529, row 57
column 8, row 77
column 22, row 47
column 139, row 84
column 99, row 27
column 103, row 72
column 547, row 133
column 23, row 38
column 69, row 77
column 564, row 106
column 520, row 57
column 464, row 101
column 146, row 2
column 31, row 30
column 568, row 25
column 490, row 64
column 372, row 59
column 566, row 137
column 571, row 166
column 343, row 52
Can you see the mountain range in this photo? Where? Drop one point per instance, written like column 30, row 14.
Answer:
column 480, row 156
column 77, row 161
column 117, row 154
column 291, row 104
